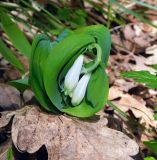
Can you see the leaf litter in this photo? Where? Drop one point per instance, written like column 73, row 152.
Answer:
column 136, row 51
column 70, row 138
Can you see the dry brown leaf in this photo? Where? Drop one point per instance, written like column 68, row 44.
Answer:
column 136, row 34
column 7, row 115
column 152, row 59
column 124, row 85
column 9, row 96
column 129, row 33
column 137, row 37
column 121, row 44
column 141, row 64
column 5, row 119
column 70, row 139
column 11, row 73
column 136, row 104
column 138, row 108
column 114, row 92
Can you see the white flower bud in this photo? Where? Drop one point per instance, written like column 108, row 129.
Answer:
column 80, row 90
column 72, row 77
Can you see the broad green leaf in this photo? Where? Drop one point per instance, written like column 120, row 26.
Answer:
column 149, row 158
column 15, row 34
column 10, row 154
column 102, row 37
column 155, row 66
column 142, row 77
column 152, row 145
column 10, row 57
column 40, row 48
column 98, row 84
column 20, row 84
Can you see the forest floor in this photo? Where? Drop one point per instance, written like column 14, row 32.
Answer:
column 134, row 48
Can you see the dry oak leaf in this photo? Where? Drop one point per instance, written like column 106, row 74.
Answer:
column 138, row 108
column 5, row 117
column 9, row 97
column 114, row 92
column 141, row 64
column 69, row 138
column 152, row 51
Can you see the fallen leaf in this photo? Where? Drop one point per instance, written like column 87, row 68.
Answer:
column 129, row 33
column 9, row 97
column 121, row 44
column 138, row 30
column 11, row 73
column 135, row 34
column 152, row 51
column 114, row 92
column 141, row 42
column 124, row 85
column 141, row 64
column 69, row 138
column 5, row 119
column 7, row 115
column 138, row 108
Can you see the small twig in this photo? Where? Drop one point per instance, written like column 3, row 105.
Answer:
column 22, row 100
column 25, row 75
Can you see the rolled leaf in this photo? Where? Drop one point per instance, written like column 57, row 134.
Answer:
column 51, row 61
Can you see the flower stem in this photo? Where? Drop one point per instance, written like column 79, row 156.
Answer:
column 96, row 61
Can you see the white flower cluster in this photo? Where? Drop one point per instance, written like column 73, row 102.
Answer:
column 73, row 85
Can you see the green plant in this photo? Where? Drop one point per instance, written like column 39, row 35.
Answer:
column 50, row 62
column 10, row 154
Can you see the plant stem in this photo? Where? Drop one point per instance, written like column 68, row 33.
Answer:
column 97, row 60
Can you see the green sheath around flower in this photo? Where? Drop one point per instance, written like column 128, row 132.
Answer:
column 60, row 78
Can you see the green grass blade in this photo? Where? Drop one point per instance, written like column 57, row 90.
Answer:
column 135, row 14
column 15, row 34
column 10, row 154
column 145, row 5
column 10, row 57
